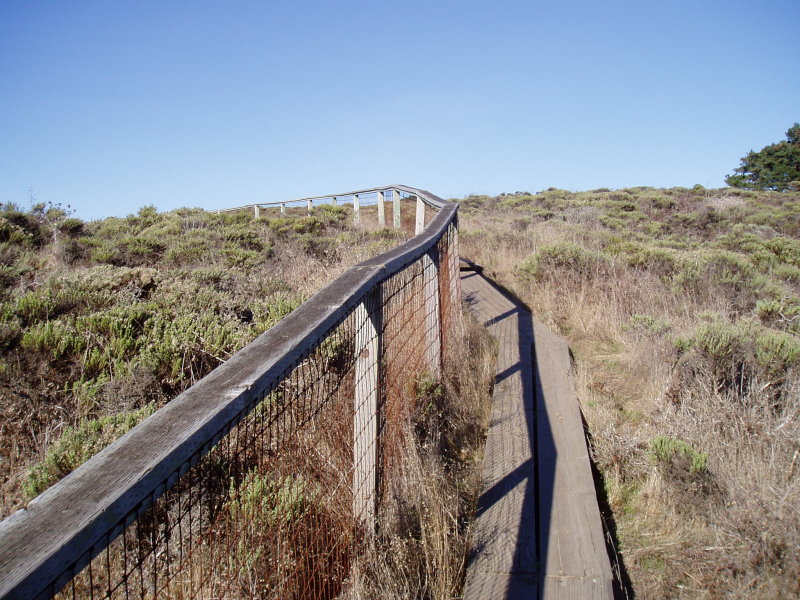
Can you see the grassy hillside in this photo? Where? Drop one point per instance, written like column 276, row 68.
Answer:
column 682, row 308
column 102, row 322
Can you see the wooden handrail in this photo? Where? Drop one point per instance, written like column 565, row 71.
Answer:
column 39, row 545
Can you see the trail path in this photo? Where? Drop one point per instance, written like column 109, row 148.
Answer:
column 538, row 533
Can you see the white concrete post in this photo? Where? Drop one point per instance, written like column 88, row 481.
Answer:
column 368, row 316
column 356, row 210
column 310, row 205
column 420, row 223
column 283, row 208
column 433, row 326
column 256, row 212
column 333, row 200
column 381, row 213
column 396, row 208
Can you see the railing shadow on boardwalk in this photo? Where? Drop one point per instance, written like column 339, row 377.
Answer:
column 529, row 562
column 538, row 532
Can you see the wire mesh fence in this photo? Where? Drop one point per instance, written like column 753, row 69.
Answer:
column 282, row 498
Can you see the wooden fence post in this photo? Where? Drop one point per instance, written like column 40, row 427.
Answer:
column 420, row 224
column 396, row 208
column 356, row 210
column 368, row 317
column 433, row 324
column 456, row 321
column 381, row 213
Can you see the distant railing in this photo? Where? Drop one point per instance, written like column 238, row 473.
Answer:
column 264, row 479
column 367, row 197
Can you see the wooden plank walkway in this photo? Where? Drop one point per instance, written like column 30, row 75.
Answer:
column 537, row 533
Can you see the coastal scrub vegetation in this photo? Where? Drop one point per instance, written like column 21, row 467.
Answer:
column 103, row 322
column 682, row 309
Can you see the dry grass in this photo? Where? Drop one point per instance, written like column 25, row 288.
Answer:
column 421, row 546
column 670, row 341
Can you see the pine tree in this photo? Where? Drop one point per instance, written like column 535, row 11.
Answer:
column 774, row 167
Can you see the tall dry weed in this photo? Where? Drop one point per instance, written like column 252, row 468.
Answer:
column 422, row 541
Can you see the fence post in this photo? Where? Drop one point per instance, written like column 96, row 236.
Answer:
column 310, row 205
column 368, row 317
column 433, row 324
column 396, row 208
column 356, row 210
column 381, row 214
column 256, row 211
column 455, row 276
column 333, row 200
column 283, row 208
column 420, row 225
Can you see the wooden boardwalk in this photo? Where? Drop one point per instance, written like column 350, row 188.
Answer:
column 537, row 533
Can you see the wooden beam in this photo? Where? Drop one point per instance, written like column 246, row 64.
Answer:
column 433, row 324
column 381, row 207
column 420, row 220
column 368, row 319
column 396, row 208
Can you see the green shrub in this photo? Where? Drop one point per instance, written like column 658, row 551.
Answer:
column 663, row 202
column 666, row 450
column 71, row 227
column 332, row 215
column 266, row 500
column 194, row 246
column 728, row 267
column 613, row 222
column 786, row 272
column 245, row 237
column 143, row 249
column 648, row 323
column 782, row 314
column 688, row 276
column 10, row 334
column 241, row 258
column 563, row 258
column 786, row 250
column 58, row 339
column 23, row 228
column 105, row 253
column 77, row 445
column 738, row 352
column 659, row 261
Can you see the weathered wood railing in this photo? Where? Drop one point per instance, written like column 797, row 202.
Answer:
column 261, row 479
column 367, row 197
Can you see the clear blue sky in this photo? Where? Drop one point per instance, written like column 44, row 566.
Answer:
column 108, row 106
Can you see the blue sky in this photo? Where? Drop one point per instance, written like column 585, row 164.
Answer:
column 109, row 106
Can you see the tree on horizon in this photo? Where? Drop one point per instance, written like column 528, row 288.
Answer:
column 774, row 167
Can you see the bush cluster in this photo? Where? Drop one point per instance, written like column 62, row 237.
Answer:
column 99, row 320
